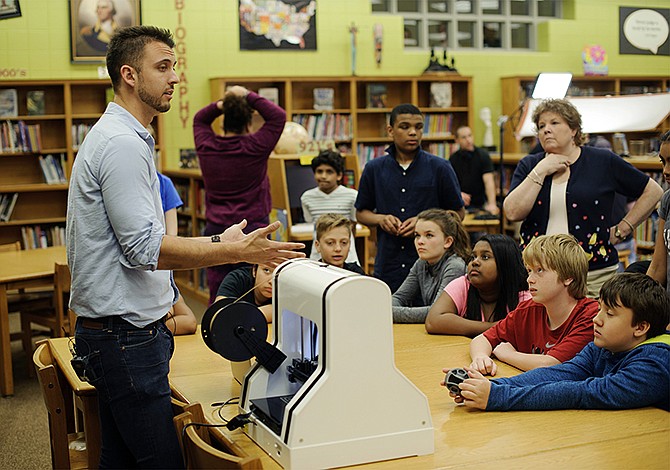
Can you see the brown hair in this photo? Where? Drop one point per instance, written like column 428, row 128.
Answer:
column 450, row 224
column 237, row 114
column 328, row 222
column 566, row 110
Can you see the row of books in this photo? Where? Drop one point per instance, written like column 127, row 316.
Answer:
column 200, row 196
column 438, row 125
column 9, row 106
column 17, row 136
column 326, row 126
column 441, row 149
column 52, row 169
column 369, row 152
column 34, row 237
column 7, row 204
column 79, row 132
column 183, row 191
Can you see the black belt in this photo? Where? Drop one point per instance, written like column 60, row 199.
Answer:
column 100, row 323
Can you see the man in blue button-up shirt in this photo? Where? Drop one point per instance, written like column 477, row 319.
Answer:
column 120, row 257
column 394, row 188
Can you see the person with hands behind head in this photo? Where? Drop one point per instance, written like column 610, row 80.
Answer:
column 555, row 324
column 570, row 188
column 627, row 365
column 443, row 245
column 659, row 268
column 234, row 165
column 494, row 285
column 394, row 188
column 250, row 284
column 120, row 257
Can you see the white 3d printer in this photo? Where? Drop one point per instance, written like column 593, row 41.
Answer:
column 337, row 399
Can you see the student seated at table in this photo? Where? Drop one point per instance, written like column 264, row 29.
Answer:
column 330, row 196
column 333, row 241
column 626, row 366
column 443, row 245
column 252, row 284
column 494, row 285
column 555, row 324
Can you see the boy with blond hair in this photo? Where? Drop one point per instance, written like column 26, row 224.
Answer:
column 555, row 324
column 626, row 366
column 333, row 241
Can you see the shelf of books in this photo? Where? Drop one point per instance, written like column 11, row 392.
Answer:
column 42, row 123
column 516, row 90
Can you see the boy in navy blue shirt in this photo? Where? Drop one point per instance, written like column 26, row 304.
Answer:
column 626, row 366
column 395, row 187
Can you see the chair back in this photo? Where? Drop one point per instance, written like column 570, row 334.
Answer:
column 206, row 450
column 52, row 393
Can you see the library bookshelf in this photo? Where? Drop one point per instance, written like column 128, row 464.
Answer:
column 355, row 124
column 515, row 91
column 70, row 108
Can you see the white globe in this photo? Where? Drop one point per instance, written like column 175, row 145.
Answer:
column 291, row 137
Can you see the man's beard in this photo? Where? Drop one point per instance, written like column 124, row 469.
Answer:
column 150, row 100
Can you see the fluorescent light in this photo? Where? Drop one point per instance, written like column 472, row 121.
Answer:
column 551, row 85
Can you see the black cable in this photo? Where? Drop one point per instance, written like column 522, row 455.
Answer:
column 221, row 405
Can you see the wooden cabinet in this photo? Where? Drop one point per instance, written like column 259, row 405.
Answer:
column 515, row 90
column 70, row 107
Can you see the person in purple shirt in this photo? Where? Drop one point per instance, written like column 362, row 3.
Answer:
column 234, row 165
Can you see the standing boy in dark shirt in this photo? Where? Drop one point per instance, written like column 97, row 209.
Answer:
column 394, row 188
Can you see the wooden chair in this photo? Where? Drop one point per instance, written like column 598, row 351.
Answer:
column 209, row 448
column 60, row 411
column 54, row 317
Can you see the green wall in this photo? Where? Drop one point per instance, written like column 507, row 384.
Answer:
column 36, row 46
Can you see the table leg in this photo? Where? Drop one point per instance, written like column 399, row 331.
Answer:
column 6, row 378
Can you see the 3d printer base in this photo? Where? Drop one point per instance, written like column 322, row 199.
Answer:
column 349, row 452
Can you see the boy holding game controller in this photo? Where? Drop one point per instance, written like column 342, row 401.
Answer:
column 555, row 324
column 626, row 366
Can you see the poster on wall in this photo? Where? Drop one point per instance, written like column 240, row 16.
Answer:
column 277, row 24
column 644, row 31
column 92, row 24
column 9, row 9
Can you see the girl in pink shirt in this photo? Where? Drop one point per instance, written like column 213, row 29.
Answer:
column 471, row 304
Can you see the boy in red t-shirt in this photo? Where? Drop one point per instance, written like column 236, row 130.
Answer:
column 552, row 327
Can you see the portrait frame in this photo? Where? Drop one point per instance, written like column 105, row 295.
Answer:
column 91, row 28
column 10, row 9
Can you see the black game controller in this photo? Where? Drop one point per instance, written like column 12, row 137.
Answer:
column 454, row 378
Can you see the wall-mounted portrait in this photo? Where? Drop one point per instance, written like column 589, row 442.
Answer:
column 94, row 22
column 9, row 9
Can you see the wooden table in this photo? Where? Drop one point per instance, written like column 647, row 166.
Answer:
column 464, row 438
column 484, row 225
column 21, row 269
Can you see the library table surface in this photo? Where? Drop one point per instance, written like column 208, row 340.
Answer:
column 21, row 269
column 464, row 438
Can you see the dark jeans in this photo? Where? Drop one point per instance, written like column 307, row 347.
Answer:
column 129, row 367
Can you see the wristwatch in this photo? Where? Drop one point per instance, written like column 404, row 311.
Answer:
column 217, row 238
